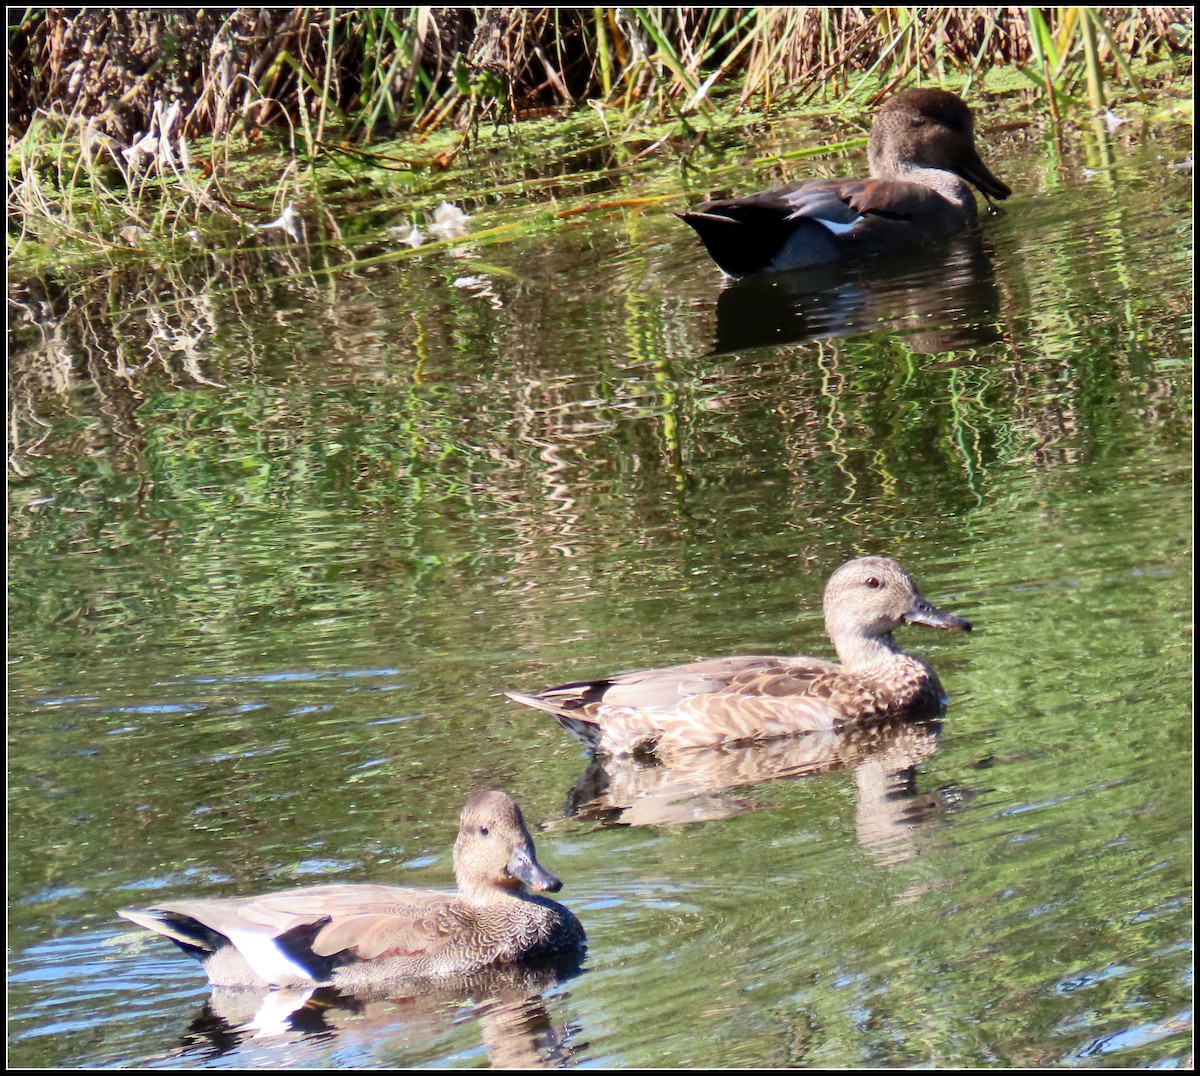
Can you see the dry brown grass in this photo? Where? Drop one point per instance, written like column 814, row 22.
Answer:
column 373, row 70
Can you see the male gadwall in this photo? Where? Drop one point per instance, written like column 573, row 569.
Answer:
column 741, row 699
column 356, row 935
column 921, row 149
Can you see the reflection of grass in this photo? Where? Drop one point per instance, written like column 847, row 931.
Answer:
column 862, row 410
column 439, row 403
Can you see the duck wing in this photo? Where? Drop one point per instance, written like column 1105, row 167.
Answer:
column 749, row 674
column 716, row 701
column 841, row 203
column 657, row 689
column 821, row 221
column 302, row 935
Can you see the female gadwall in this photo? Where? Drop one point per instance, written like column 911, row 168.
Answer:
column 354, row 935
column 740, row 699
column 921, row 149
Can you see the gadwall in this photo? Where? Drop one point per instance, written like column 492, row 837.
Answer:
column 922, row 148
column 354, row 935
column 746, row 698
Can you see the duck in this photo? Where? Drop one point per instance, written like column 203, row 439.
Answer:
column 729, row 701
column 354, row 935
column 922, row 157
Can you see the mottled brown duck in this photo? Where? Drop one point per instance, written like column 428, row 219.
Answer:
column 357, row 935
column 749, row 697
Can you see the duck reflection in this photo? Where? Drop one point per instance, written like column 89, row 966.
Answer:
column 941, row 297
column 515, row 1025
column 691, row 785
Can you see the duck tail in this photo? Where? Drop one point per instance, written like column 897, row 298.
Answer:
column 535, row 702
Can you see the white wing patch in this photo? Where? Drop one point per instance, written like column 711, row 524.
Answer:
column 837, row 227
column 267, row 959
column 277, row 1006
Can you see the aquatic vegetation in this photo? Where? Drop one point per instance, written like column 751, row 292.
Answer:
column 178, row 122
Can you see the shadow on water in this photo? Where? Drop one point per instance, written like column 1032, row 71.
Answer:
column 515, row 1026
column 689, row 785
column 942, row 298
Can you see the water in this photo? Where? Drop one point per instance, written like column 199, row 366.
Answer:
column 262, row 606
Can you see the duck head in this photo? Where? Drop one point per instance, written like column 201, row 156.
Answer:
column 494, row 849
column 929, row 128
column 868, row 598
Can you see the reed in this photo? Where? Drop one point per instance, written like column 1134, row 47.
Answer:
column 377, row 71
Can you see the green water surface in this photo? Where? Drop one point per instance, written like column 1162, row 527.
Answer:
column 265, row 592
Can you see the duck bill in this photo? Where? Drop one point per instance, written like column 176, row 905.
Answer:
column 924, row 613
column 522, row 865
column 975, row 172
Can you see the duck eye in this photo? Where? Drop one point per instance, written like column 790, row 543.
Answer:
column 872, row 582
